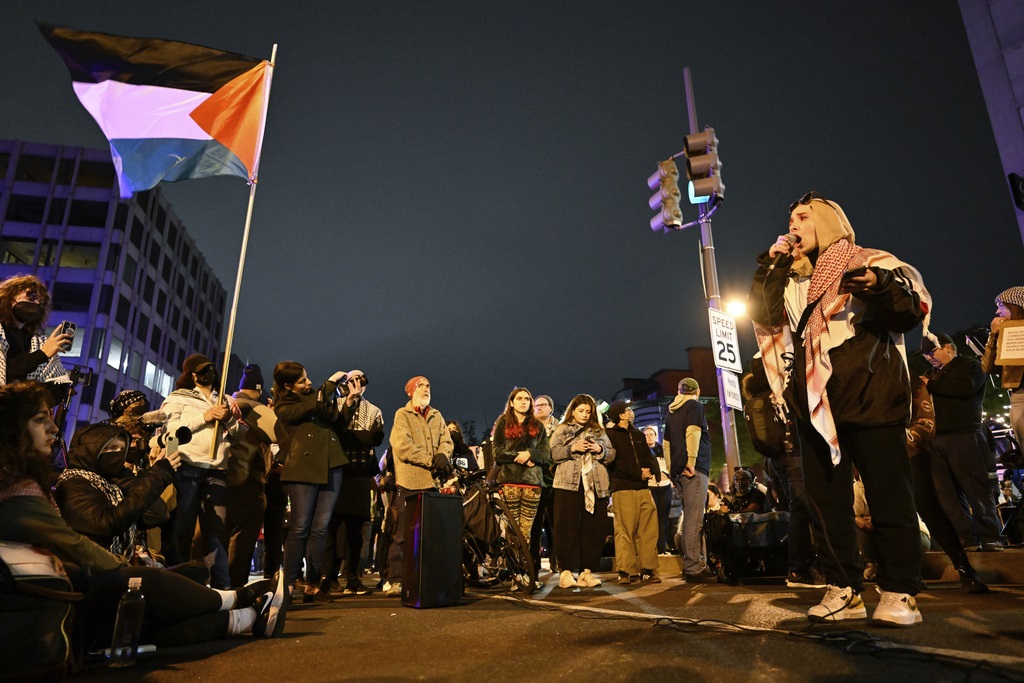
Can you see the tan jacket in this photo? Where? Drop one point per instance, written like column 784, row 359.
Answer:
column 414, row 442
column 1009, row 375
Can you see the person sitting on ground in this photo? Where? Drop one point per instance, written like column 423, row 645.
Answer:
column 179, row 611
column 102, row 499
column 746, row 496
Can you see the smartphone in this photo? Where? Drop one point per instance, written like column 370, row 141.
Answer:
column 855, row 272
column 67, row 327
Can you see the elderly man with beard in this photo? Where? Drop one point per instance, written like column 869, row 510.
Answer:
column 830, row 318
column 202, row 479
column 421, row 446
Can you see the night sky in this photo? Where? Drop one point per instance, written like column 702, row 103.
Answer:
column 458, row 189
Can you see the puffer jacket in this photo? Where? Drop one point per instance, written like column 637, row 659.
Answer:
column 569, row 464
column 87, row 509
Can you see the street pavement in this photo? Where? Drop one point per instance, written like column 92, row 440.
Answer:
column 670, row 631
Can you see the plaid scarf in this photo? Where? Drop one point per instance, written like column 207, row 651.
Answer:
column 123, row 544
column 829, row 325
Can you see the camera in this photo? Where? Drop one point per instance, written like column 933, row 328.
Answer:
column 343, row 388
column 171, row 441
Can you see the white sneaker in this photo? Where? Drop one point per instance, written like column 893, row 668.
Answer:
column 588, row 580
column 393, row 590
column 565, row 580
column 837, row 605
column 896, row 609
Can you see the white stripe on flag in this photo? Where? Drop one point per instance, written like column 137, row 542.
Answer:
column 135, row 112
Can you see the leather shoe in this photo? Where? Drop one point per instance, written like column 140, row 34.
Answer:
column 705, row 576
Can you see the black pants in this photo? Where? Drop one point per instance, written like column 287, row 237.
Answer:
column 179, row 611
column 273, row 525
column 790, row 470
column 880, row 455
column 959, row 467
column 663, row 501
column 396, row 555
column 544, row 522
column 246, row 506
column 930, row 508
column 344, row 542
column 580, row 536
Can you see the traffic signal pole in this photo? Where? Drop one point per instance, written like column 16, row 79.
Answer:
column 712, row 294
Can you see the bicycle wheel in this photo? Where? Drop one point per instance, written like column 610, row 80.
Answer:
column 514, row 551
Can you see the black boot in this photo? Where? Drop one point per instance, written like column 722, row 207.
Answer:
column 970, row 582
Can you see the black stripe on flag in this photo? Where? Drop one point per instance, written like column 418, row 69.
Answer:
column 97, row 57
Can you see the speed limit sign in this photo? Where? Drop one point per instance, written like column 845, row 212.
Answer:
column 724, row 342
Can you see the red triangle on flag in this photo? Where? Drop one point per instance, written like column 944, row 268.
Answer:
column 232, row 114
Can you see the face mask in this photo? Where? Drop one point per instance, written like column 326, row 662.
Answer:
column 207, row 377
column 26, row 311
column 136, row 411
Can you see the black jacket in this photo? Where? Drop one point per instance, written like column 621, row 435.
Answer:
column 869, row 385
column 957, row 389
column 631, row 455
column 87, row 510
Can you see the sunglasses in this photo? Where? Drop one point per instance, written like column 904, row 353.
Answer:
column 806, row 199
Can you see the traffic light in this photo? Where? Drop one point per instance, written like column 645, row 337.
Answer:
column 666, row 200
column 703, row 167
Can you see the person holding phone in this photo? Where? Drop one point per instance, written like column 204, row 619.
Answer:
column 25, row 353
column 830, row 317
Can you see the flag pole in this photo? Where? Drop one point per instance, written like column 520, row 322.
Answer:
column 253, row 181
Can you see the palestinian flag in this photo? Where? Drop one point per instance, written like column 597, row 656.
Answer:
column 170, row 110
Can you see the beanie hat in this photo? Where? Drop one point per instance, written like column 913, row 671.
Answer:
column 1013, row 295
column 689, row 385
column 121, row 402
column 616, row 409
column 410, row 386
column 195, row 363
column 252, row 378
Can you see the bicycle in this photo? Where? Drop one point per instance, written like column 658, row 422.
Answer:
column 495, row 549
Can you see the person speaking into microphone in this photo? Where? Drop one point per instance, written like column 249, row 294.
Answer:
column 830, row 317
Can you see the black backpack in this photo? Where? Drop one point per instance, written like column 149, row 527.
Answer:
column 767, row 431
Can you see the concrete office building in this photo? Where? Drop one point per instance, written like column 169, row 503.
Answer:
column 126, row 271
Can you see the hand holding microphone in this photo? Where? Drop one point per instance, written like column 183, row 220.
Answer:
column 782, row 248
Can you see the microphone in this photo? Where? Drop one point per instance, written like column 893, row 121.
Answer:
column 155, row 417
column 791, row 239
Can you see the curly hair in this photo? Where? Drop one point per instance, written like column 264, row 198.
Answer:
column 19, row 402
column 9, row 291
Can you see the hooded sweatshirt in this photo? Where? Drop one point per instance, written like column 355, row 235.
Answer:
column 687, row 439
column 101, row 499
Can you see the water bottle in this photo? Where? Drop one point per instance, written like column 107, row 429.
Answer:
column 125, row 646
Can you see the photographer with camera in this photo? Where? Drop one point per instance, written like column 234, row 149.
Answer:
column 313, row 459
column 24, row 352
column 201, row 481
column 101, row 498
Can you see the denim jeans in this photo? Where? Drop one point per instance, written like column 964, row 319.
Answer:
column 312, row 506
column 203, row 495
column 694, row 492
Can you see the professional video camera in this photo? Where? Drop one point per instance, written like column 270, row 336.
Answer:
column 161, row 438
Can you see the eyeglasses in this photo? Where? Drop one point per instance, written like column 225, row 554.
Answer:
column 806, row 199
column 543, row 405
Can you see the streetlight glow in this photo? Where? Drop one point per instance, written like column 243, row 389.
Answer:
column 737, row 308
